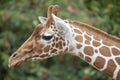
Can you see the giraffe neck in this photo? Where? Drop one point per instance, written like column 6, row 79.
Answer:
column 97, row 48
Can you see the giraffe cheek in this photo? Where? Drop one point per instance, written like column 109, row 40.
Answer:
column 39, row 48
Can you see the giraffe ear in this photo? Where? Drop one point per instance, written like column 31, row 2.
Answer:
column 61, row 26
column 42, row 19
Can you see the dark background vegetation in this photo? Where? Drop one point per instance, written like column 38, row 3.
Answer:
column 18, row 18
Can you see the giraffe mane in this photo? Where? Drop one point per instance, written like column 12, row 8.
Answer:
column 94, row 31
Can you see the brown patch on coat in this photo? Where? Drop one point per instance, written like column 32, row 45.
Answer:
column 110, row 68
column 79, row 38
column 79, row 46
column 47, row 48
column 81, row 55
column 88, row 59
column 56, row 45
column 105, row 51
column 118, row 60
column 99, row 62
column 89, row 50
column 115, row 51
column 64, row 43
column 56, row 39
column 60, row 44
column 118, row 76
column 87, row 42
column 96, row 50
column 54, row 51
column 96, row 43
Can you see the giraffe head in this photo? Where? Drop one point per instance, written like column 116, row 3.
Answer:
column 48, row 39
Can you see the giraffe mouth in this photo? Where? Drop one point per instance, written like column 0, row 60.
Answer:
column 16, row 64
column 19, row 63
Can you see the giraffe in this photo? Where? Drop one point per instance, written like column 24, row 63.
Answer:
column 56, row 36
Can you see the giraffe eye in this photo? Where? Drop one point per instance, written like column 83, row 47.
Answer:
column 47, row 36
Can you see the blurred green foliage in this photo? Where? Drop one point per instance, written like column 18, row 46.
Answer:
column 18, row 19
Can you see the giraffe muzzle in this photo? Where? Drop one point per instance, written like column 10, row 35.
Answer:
column 14, row 62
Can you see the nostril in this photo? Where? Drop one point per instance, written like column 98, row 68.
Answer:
column 14, row 55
